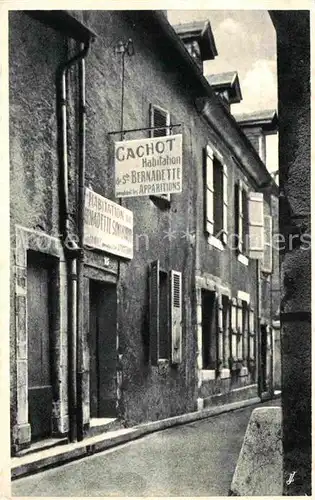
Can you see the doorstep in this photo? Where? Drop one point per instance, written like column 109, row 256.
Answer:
column 51, row 457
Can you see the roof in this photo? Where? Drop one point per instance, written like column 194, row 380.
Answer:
column 64, row 22
column 211, row 106
column 193, row 27
column 227, row 81
column 266, row 119
column 202, row 32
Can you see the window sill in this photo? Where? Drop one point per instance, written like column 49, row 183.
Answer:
column 225, row 373
column 215, row 243
column 208, row 375
column 242, row 259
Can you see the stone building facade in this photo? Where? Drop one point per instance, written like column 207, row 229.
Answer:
column 97, row 339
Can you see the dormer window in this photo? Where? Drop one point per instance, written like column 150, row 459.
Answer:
column 198, row 40
column 227, row 86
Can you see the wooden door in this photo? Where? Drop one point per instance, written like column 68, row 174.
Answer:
column 39, row 345
column 102, row 344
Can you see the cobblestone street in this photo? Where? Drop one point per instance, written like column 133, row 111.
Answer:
column 196, row 459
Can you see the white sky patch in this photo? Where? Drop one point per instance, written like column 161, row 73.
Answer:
column 229, row 25
column 258, row 87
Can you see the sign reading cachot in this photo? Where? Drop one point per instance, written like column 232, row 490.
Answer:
column 107, row 225
column 145, row 167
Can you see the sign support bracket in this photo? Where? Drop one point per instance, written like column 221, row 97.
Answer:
column 123, row 132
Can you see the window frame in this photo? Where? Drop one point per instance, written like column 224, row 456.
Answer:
column 211, row 156
column 174, row 313
column 164, row 197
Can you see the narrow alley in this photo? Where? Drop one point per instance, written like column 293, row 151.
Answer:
column 196, row 459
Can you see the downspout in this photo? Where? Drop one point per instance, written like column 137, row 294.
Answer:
column 70, row 246
column 258, row 344
column 80, row 269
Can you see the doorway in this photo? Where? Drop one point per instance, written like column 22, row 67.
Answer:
column 40, row 306
column 102, row 347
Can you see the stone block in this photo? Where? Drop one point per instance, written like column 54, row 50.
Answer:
column 296, row 269
column 22, row 404
column 22, row 434
column 21, row 351
column 199, row 404
column 259, row 467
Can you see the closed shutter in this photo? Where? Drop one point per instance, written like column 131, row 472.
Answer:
column 154, row 311
column 234, row 329
column 209, row 219
column 159, row 118
column 176, row 316
column 245, row 221
column 245, row 332
column 240, row 217
column 240, row 330
column 225, row 205
column 220, row 329
column 267, row 260
column 251, row 334
column 256, row 225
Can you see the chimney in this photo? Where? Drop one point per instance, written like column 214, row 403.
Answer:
column 198, row 40
column 257, row 126
column 227, row 86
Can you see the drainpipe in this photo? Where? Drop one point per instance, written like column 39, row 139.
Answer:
column 80, row 269
column 258, row 344
column 71, row 247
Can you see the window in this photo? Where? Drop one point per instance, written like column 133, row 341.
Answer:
column 209, row 330
column 239, row 353
column 251, row 337
column 216, row 197
column 223, row 350
column 234, row 330
column 165, row 314
column 160, row 117
column 241, row 218
column 164, row 344
column 245, row 331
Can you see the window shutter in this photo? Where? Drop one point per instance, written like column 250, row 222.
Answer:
column 245, row 220
column 209, row 191
column 256, row 225
column 154, row 311
column 251, row 321
column 251, row 334
column 240, row 216
column 245, row 332
column 267, row 259
column 225, row 205
column 220, row 328
column 176, row 316
column 233, row 316
column 240, row 329
column 159, row 118
column 233, row 330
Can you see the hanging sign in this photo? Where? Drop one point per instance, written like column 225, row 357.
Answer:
column 147, row 167
column 107, row 225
